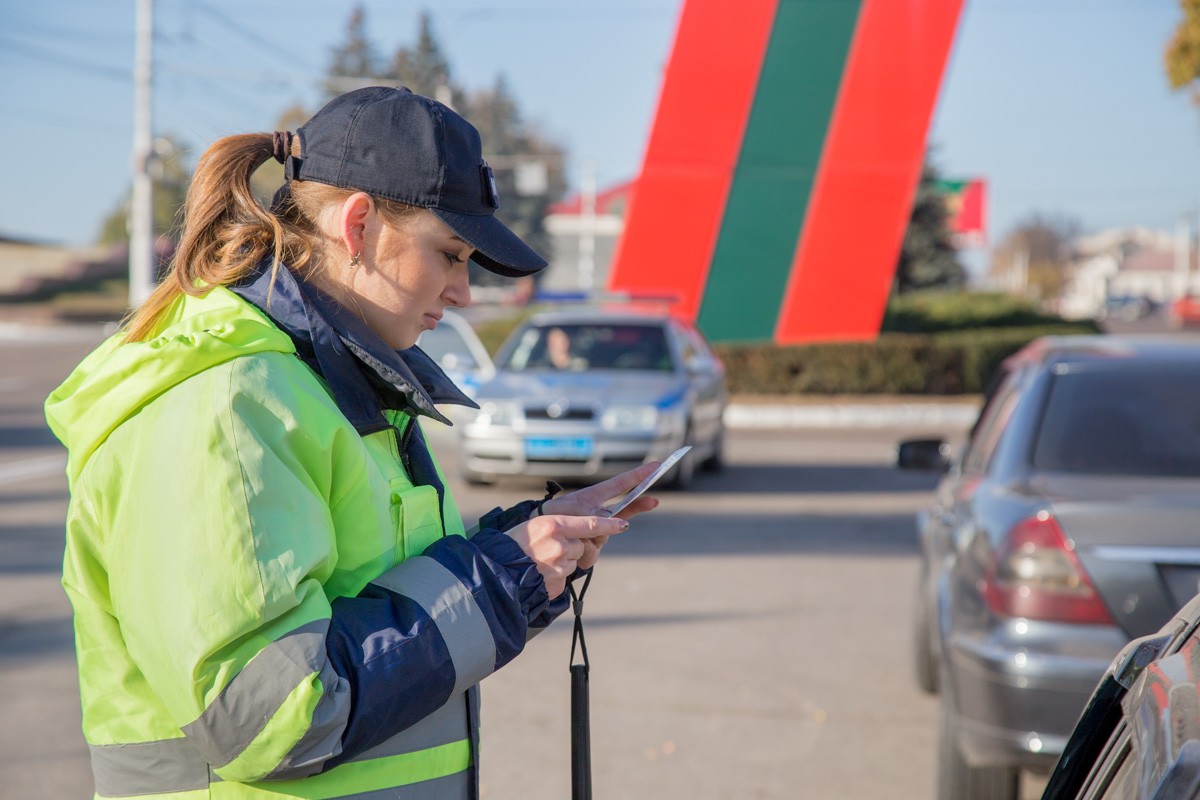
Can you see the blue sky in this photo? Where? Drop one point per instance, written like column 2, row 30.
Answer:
column 1060, row 104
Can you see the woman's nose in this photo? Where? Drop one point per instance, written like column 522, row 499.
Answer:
column 458, row 290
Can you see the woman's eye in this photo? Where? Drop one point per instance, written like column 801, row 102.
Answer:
column 453, row 258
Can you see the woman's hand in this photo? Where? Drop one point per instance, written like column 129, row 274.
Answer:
column 559, row 544
column 590, row 501
column 573, row 527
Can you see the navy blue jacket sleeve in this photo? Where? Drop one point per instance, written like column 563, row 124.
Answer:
column 391, row 651
column 508, row 518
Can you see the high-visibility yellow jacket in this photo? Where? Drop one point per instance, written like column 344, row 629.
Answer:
column 266, row 603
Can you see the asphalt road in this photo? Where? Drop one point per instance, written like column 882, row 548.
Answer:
column 749, row 639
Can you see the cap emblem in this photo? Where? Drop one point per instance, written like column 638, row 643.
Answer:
column 488, row 180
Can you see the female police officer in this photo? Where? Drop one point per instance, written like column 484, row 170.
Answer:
column 274, row 594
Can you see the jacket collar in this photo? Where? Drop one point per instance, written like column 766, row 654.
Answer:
column 363, row 373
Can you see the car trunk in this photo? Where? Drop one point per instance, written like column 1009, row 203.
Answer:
column 1137, row 538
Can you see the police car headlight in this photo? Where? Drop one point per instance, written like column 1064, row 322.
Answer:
column 495, row 413
column 629, row 418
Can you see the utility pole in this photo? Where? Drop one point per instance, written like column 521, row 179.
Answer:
column 141, row 204
column 587, row 227
column 1183, row 234
column 1019, row 273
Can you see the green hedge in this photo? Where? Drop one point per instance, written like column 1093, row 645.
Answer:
column 933, row 343
column 938, row 312
column 960, row 362
column 493, row 332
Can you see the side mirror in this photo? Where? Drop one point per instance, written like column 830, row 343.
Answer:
column 933, row 454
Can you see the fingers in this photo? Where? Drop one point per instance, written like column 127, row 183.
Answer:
column 591, row 552
column 589, row 527
column 558, row 545
column 571, row 554
column 639, row 506
column 620, row 484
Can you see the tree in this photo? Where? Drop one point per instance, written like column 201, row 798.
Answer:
column 1182, row 56
column 1035, row 257
column 424, row 68
column 529, row 168
column 928, row 257
column 170, row 176
column 355, row 62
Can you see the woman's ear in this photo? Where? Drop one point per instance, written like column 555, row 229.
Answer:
column 356, row 213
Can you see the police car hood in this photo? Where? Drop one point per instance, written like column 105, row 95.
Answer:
column 598, row 388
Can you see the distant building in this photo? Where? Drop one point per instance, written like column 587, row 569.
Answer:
column 580, row 235
column 25, row 263
column 1129, row 262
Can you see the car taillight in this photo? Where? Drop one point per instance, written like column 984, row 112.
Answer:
column 1037, row 575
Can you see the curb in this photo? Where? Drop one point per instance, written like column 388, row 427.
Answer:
column 851, row 415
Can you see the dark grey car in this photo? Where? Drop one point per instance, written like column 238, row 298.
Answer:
column 1069, row 525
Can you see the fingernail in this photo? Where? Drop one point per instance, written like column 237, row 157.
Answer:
column 624, row 524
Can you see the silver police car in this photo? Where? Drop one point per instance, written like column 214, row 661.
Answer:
column 589, row 393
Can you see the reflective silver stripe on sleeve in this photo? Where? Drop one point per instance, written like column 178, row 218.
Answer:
column 455, row 612
column 239, row 713
column 324, row 737
column 169, row 765
column 445, row 726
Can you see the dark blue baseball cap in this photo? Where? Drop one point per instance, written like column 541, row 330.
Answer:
column 391, row 143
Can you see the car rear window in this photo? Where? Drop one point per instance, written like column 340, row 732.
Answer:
column 1138, row 421
column 578, row 347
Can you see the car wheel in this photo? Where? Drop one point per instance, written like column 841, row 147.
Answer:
column 716, row 460
column 925, row 658
column 958, row 780
column 685, row 471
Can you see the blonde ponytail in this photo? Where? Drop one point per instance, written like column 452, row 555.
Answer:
column 226, row 232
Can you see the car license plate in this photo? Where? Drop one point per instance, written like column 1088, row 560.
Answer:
column 564, row 449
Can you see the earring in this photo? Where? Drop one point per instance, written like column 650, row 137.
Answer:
column 356, row 260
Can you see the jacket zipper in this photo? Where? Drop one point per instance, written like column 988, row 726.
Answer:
column 402, row 444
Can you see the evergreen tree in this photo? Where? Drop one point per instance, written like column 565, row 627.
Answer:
column 424, row 68
column 928, row 257
column 529, row 168
column 355, row 62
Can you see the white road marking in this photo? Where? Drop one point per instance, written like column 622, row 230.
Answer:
column 31, row 469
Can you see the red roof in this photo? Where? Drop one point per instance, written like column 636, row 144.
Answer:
column 612, row 200
column 1148, row 260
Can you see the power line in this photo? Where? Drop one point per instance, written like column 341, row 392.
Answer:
column 49, row 56
column 81, row 34
column 249, row 35
column 92, row 122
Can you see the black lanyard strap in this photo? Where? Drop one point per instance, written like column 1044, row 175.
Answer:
column 581, row 745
